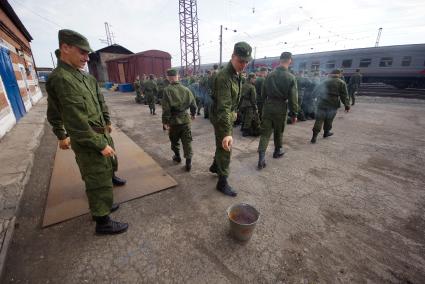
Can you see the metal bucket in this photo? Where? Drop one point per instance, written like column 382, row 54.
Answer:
column 242, row 218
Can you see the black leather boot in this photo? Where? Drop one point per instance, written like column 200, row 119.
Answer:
column 278, row 152
column 188, row 164
column 117, row 181
column 327, row 134
column 176, row 158
column 107, row 226
column 213, row 168
column 261, row 160
column 314, row 138
column 224, row 187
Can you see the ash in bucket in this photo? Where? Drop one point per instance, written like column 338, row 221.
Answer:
column 243, row 217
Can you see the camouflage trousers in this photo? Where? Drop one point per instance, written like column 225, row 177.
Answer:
column 272, row 122
column 352, row 90
column 150, row 99
column 96, row 172
column 324, row 117
column 221, row 157
column 139, row 98
column 181, row 132
column 250, row 121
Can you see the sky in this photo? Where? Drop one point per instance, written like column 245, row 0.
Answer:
column 269, row 26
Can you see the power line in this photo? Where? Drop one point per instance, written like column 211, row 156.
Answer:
column 40, row 16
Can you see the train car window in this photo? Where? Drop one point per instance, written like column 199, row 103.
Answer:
column 347, row 63
column 330, row 64
column 406, row 60
column 315, row 66
column 302, row 66
column 365, row 62
column 386, row 62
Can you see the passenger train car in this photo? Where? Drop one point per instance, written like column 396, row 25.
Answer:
column 402, row 66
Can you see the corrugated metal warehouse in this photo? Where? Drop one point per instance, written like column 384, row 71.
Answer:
column 97, row 63
column 126, row 68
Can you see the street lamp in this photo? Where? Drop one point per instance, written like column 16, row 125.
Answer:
column 221, row 41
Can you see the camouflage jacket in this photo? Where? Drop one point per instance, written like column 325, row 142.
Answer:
column 280, row 87
column 258, row 86
column 226, row 96
column 75, row 107
column 177, row 99
column 248, row 97
column 330, row 92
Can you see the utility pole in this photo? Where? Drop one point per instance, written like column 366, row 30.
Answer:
column 51, row 55
column 221, row 44
column 189, row 37
column 108, row 34
column 378, row 37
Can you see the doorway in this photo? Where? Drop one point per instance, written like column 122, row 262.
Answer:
column 10, row 84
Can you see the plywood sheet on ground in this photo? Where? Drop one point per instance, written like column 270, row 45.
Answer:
column 67, row 198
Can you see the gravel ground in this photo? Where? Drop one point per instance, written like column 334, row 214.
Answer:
column 349, row 209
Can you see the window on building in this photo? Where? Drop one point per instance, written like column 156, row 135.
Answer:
column 406, row 60
column 346, row 63
column 386, row 62
column 302, row 66
column 315, row 66
column 365, row 62
column 330, row 64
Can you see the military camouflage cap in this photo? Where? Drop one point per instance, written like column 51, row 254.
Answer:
column 285, row 55
column 251, row 75
column 73, row 38
column 243, row 50
column 171, row 72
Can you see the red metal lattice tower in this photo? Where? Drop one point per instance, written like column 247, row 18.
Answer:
column 189, row 37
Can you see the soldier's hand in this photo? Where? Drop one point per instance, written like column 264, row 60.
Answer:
column 108, row 151
column 109, row 128
column 65, row 143
column 227, row 143
column 192, row 117
column 165, row 127
column 347, row 108
column 294, row 119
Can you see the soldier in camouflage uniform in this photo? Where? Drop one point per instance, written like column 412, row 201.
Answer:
column 258, row 86
column 161, row 85
column 150, row 89
column 248, row 108
column 177, row 99
column 138, row 89
column 80, row 119
column 279, row 87
column 196, row 91
column 302, row 84
column 329, row 93
column 208, row 96
column 309, row 101
column 354, row 85
column 226, row 96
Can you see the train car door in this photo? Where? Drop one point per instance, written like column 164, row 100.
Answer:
column 10, row 84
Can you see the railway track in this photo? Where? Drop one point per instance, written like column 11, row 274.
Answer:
column 382, row 90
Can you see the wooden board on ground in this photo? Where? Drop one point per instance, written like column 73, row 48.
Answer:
column 67, row 198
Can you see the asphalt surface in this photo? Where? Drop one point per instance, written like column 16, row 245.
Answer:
column 349, row 209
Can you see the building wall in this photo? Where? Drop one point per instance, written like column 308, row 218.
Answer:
column 102, row 68
column 23, row 65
